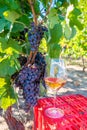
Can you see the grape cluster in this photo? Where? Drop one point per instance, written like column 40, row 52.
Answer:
column 35, row 35
column 29, row 79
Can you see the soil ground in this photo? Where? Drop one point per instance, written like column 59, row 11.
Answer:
column 76, row 84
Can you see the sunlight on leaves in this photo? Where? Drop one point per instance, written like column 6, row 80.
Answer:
column 43, row 46
column 11, row 15
column 53, row 17
column 2, row 82
column 7, row 94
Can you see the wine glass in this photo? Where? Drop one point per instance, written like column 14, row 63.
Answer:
column 55, row 80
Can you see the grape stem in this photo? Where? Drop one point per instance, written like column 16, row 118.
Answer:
column 48, row 10
column 33, row 11
column 31, row 58
column 32, row 55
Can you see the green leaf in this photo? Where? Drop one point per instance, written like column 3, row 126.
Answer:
column 11, row 46
column 24, row 19
column 17, row 27
column 73, row 16
column 79, row 25
column 53, row 17
column 3, row 44
column 7, row 94
column 76, row 12
column 37, row 6
column 11, row 15
column 15, row 46
column 4, row 66
column 74, row 2
column 2, row 9
column 54, row 50
column 76, row 22
column 43, row 46
column 45, row 2
column 9, row 66
column 2, row 25
column 56, row 33
column 67, row 32
column 13, row 4
column 73, row 32
column 9, row 62
column 62, row 18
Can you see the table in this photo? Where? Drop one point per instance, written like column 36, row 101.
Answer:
column 75, row 113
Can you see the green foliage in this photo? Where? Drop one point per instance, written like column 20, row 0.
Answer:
column 74, row 2
column 45, row 2
column 53, row 17
column 7, row 94
column 69, row 32
column 74, row 21
column 77, row 47
column 37, row 6
column 9, row 62
column 11, row 15
column 56, row 33
column 17, row 27
column 54, row 50
column 2, row 24
column 43, row 46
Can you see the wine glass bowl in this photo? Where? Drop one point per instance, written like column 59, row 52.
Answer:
column 55, row 83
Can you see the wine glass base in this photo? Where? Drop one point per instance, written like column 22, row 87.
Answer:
column 54, row 112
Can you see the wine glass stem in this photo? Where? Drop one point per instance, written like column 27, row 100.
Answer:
column 55, row 93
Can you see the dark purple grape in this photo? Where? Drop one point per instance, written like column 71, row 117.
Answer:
column 35, row 35
column 29, row 79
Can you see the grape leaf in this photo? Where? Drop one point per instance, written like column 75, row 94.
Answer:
column 9, row 66
column 56, row 33
column 12, row 44
column 45, row 2
column 24, row 19
column 2, row 8
column 37, row 6
column 7, row 95
column 67, row 32
column 76, row 22
column 9, row 62
column 76, row 12
column 53, row 17
column 73, row 33
column 3, row 44
column 17, row 27
column 11, row 15
column 54, row 50
column 4, row 67
column 74, row 2
column 73, row 16
column 43, row 46
column 2, row 25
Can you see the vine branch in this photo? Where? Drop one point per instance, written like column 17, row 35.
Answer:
column 33, row 11
column 47, row 12
column 32, row 55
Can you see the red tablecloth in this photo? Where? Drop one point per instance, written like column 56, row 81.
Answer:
column 75, row 113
